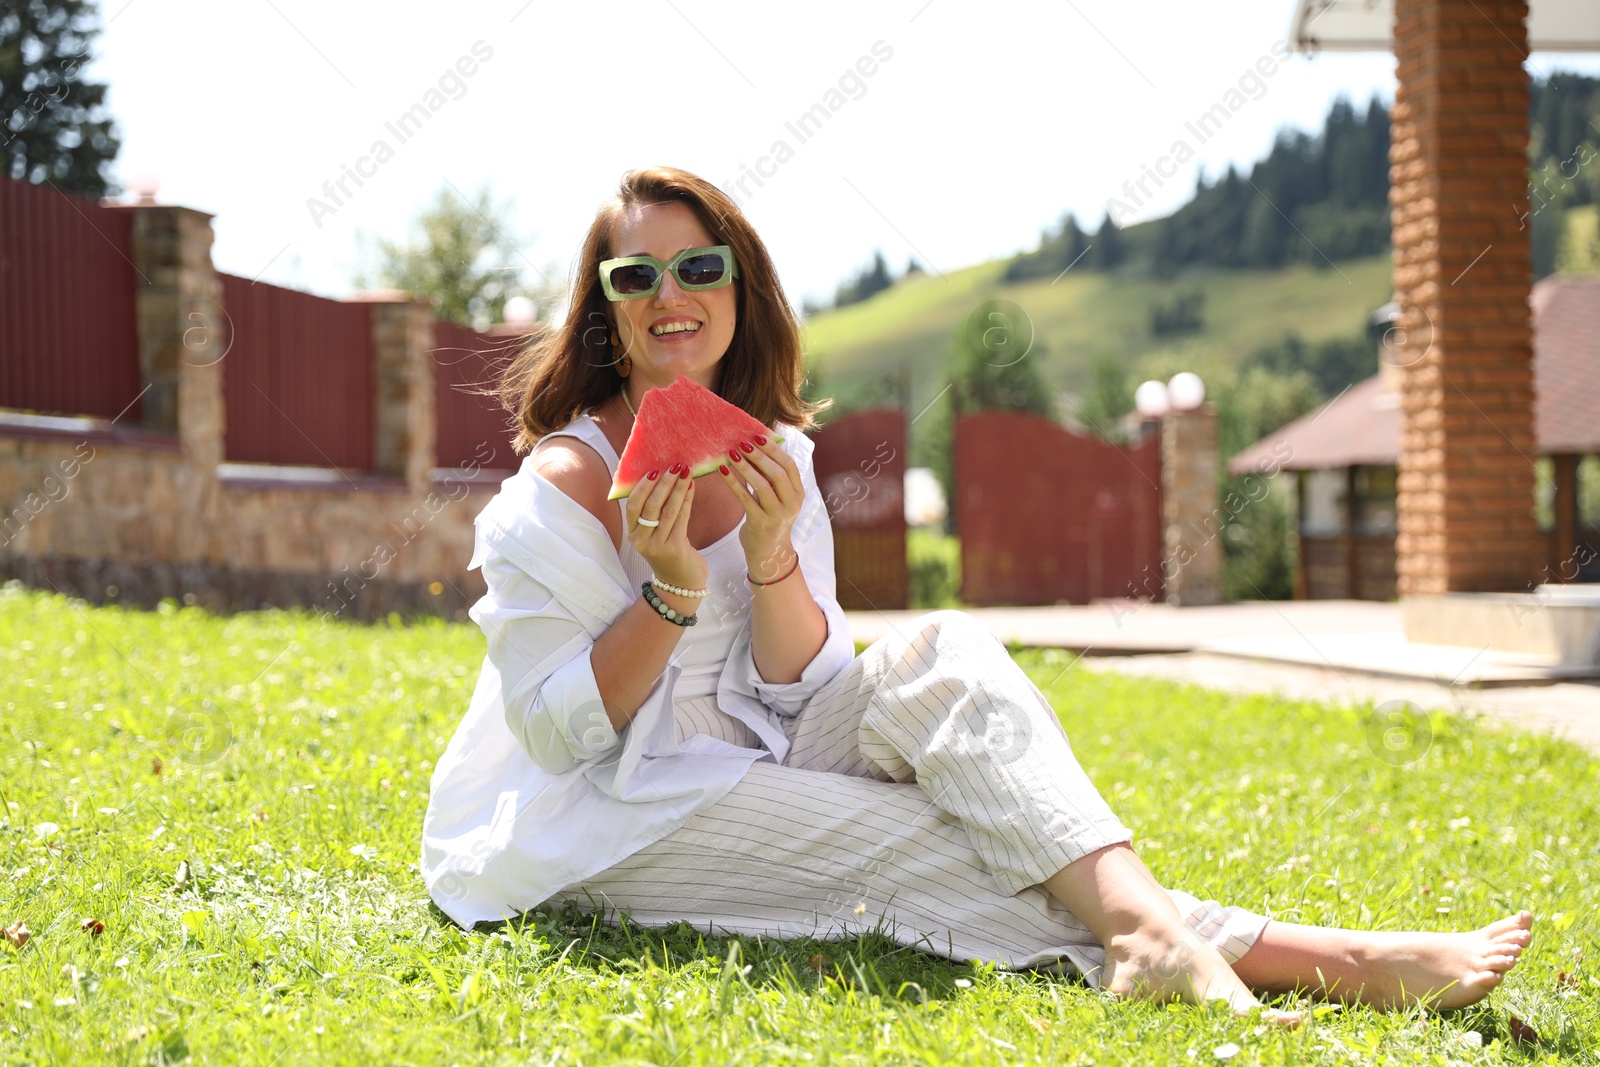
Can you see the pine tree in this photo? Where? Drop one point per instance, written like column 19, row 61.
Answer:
column 54, row 127
column 1108, row 250
column 1058, row 249
column 1073, row 241
column 868, row 283
column 1345, row 146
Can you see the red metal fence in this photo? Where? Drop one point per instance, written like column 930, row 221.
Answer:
column 68, row 338
column 297, row 377
column 1046, row 515
column 472, row 427
column 860, row 466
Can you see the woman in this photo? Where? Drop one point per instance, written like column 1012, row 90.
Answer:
column 670, row 719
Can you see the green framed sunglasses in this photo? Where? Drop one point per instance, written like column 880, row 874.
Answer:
column 635, row 277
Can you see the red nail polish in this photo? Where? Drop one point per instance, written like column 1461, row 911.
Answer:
column 747, row 446
column 733, row 454
column 723, row 468
column 684, row 473
column 653, row 474
column 761, row 439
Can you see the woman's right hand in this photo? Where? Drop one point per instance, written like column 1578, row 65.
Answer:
column 666, row 548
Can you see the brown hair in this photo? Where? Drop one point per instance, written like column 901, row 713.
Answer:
column 569, row 367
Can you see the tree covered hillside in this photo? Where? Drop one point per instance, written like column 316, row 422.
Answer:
column 1323, row 197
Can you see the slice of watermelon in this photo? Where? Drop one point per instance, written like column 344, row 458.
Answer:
column 683, row 423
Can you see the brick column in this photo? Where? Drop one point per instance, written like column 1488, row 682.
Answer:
column 402, row 354
column 183, row 333
column 1458, row 194
column 1191, row 517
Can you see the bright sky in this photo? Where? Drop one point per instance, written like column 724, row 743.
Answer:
column 977, row 125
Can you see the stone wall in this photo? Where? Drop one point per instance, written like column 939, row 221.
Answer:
column 116, row 517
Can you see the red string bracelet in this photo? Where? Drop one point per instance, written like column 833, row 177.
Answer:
column 775, row 581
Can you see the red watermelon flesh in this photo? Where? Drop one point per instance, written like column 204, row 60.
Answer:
column 683, row 423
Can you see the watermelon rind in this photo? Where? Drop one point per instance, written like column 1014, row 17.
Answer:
column 618, row 491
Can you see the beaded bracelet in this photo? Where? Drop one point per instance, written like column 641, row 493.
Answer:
column 663, row 610
column 670, row 588
column 775, row 581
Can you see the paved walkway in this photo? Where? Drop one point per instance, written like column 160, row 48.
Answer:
column 1136, row 626
column 1569, row 710
column 1341, row 652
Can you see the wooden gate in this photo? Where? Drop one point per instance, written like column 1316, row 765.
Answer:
column 1047, row 515
column 860, row 464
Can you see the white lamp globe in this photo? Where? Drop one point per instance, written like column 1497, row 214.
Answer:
column 1186, row 391
column 1150, row 400
column 520, row 311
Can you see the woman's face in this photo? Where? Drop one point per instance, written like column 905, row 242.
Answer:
column 664, row 230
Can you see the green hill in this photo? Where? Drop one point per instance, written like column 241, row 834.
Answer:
column 1084, row 318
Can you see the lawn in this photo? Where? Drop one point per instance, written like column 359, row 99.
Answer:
column 210, row 829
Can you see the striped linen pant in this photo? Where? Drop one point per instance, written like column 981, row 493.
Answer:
column 928, row 791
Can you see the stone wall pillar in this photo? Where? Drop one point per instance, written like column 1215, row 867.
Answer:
column 402, row 355
column 1191, row 516
column 1459, row 197
column 183, row 333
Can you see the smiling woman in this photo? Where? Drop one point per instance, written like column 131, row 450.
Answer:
column 752, row 774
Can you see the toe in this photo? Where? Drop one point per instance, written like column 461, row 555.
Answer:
column 1488, row 979
column 1499, row 964
column 1523, row 921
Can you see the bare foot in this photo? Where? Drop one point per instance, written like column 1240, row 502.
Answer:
column 1441, row 970
column 1161, row 964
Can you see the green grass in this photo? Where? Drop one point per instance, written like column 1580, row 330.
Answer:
column 1086, row 315
column 253, row 862
column 1580, row 244
column 934, row 560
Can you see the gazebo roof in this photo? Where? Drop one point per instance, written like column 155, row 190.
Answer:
column 1361, row 426
column 1368, row 26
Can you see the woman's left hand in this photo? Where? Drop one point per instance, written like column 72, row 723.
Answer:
column 771, row 501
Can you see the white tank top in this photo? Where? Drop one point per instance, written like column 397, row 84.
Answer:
column 703, row 648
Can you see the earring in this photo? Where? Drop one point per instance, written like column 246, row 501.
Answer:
column 624, row 365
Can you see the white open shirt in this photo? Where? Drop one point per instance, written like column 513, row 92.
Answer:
column 535, row 791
